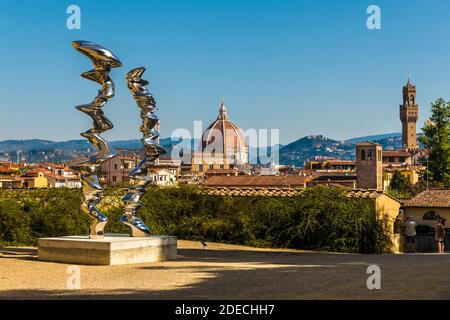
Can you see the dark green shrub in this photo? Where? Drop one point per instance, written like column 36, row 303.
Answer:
column 319, row 218
column 14, row 224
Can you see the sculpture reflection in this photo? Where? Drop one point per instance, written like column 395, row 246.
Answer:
column 139, row 179
column 103, row 60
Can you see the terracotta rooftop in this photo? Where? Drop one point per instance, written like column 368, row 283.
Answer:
column 251, row 192
column 126, row 157
column 335, row 184
column 157, row 169
column 221, row 171
column 368, row 143
column 433, row 198
column 7, row 170
column 57, row 176
column 285, row 192
column 396, row 153
column 71, row 177
column 37, row 170
column 363, row 194
column 347, row 162
column 10, row 165
column 51, row 165
column 335, row 174
column 256, row 181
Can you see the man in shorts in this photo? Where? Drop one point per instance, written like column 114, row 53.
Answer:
column 410, row 233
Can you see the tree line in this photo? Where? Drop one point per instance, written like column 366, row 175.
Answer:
column 319, row 218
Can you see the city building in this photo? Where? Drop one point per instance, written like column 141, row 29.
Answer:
column 411, row 172
column 38, row 177
column 408, row 161
column 369, row 166
column 166, row 172
column 8, row 173
column 115, row 171
column 41, row 175
column 286, row 170
column 428, row 205
column 396, row 157
column 224, row 172
column 334, row 179
column 34, row 178
column 401, row 161
column 409, row 113
column 223, row 146
column 163, row 177
column 271, row 169
column 331, row 165
column 61, row 175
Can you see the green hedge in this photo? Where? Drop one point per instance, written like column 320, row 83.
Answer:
column 320, row 218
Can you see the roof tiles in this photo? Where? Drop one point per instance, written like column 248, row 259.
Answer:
column 433, row 198
column 256, row 181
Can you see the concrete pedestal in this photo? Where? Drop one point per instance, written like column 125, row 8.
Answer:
column 113, row 249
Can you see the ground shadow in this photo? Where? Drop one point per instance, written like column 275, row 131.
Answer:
column 281, row 275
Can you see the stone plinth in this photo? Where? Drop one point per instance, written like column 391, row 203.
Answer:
column 112, row 249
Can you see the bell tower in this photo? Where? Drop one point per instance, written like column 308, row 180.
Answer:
column 409, row 113
column 369, row 166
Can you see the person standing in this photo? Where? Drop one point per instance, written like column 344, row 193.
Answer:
column 410, row 233
column 439, row 235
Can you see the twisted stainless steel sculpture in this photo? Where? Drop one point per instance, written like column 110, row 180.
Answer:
column 139, row 179
column 103, row 60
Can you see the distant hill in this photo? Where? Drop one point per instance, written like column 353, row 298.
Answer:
column 375, row 137
column 299, row 151
column 295, row 153
column 36, row 150
column 79, row 145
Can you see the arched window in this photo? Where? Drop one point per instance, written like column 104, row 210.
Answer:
column 369, row 154
column 363, row 154
column 430, row 215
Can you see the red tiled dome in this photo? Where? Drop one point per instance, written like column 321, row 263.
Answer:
column 224, row 137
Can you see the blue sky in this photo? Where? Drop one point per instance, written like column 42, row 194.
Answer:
column 303, row 66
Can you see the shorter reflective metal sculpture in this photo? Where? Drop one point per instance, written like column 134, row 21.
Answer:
column 139, row 179
column 103, row 60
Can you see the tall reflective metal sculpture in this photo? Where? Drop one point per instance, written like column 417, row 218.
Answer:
column 103, row 60
column 139, row 179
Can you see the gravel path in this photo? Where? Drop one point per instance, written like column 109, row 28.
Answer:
column 231, row 272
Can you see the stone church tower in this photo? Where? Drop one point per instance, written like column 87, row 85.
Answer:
column 369, row 166
column 409, row 113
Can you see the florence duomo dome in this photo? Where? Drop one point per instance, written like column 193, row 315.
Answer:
column 223, row 145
